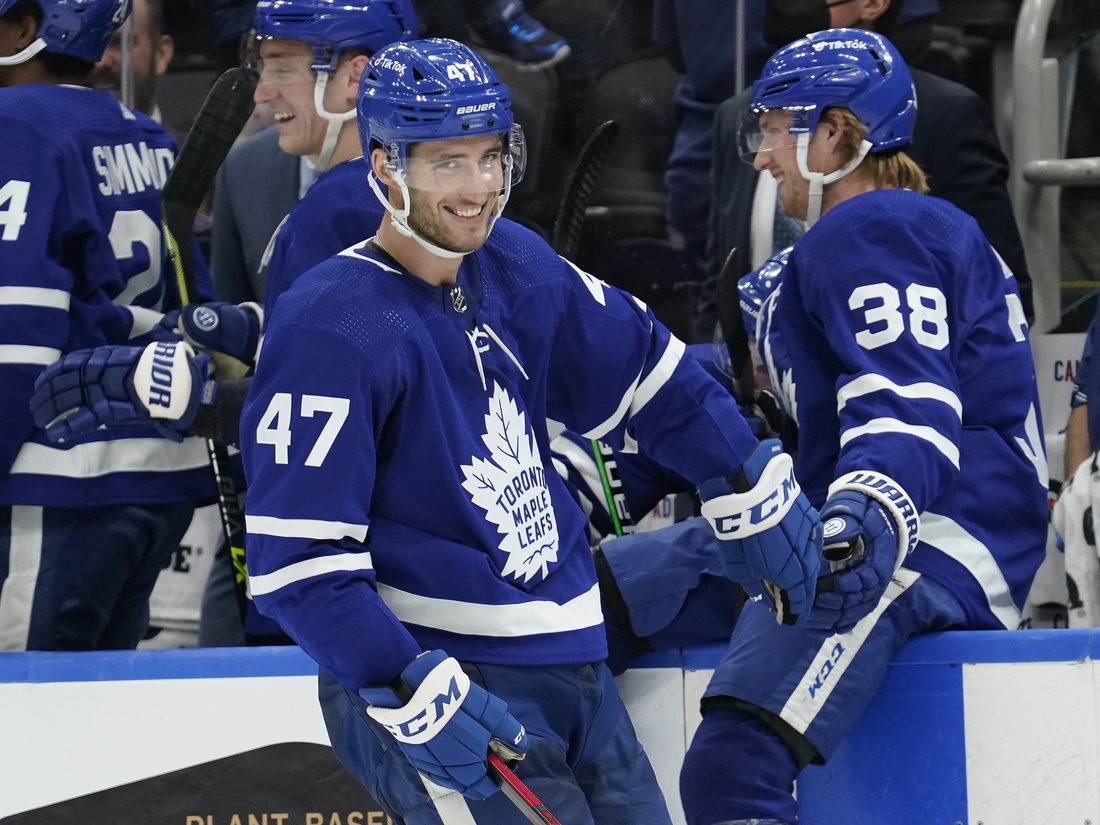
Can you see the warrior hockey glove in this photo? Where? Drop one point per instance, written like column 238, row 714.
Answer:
column 445, row 728
column 160, row 385
column 220, row 328
column 869, row 527
column 771, row 536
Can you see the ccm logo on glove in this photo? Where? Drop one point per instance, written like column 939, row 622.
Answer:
column 760, row 508
column 436, row 700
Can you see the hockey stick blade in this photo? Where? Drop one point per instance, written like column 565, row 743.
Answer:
column 569, row 224
column 518, row 793
column 728, row 299
column 224, row 113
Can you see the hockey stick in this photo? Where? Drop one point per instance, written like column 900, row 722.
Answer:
column 566, row 239
column 224, row 113
column 569, row 224
column 519, row 794
column 728, row 299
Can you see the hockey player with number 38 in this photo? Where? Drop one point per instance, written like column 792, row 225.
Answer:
column 405, row 523
column 896, row 338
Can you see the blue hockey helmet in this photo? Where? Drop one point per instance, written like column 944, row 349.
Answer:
column 756, row 287
column 852, row 69
column 331, row 27
column 78, row 28
column 435, row 89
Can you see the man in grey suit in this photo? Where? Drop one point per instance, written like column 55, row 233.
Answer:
column 256, row 186
column 954, row 143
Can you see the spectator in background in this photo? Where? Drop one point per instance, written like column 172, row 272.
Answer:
column 954, row 143
column 151, row 51
column 255, row 189
column 700, row 40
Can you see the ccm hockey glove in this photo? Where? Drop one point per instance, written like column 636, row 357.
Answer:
column 448, row 723
column 770, row 534
column 870, row 527
column 160, row 385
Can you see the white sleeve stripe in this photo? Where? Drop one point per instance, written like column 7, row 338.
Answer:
column 143, row 320
column 34, row 296
column 305, row 528
column 952, row 539
column 867, row 384
column 892, row 425
column 659, row 376
column 21, row 354
column 636, row 396
column 583, row 463
column 617, row 416
column 308, row 569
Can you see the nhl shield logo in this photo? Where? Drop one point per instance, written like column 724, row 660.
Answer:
column 458, row 299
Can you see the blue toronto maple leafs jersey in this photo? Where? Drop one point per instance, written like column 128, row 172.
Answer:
column 401, row 492
column 338, row 210
column 81, row 265
column 897, row 339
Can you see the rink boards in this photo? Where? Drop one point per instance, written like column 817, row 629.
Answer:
column 991, row 728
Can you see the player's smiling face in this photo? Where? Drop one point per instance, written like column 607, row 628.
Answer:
column 454, row 186
column 778, row 155
column 286, row 84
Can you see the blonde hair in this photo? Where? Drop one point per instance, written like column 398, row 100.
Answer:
column 892, row 169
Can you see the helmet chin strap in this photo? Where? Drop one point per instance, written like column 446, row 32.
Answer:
column 25, row 55
column 819, row 179
column 335, row 123
column 401, row 216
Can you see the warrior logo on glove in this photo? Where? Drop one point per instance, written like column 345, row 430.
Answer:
column 205, row 318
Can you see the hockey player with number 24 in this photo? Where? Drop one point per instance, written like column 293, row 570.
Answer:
column 896, row 338
column 405, row 525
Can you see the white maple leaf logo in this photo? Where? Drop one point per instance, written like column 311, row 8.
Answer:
column 511, row 488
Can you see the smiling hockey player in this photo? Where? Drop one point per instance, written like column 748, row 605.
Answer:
column 897, row 340
column 401, row 495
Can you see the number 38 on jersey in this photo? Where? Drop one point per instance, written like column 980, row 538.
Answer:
column 925, row 315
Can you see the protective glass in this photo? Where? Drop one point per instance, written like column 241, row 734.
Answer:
column 765, row 131
column 463, row 166
column 280, row 70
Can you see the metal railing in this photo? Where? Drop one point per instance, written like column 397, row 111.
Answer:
column 1038, row 169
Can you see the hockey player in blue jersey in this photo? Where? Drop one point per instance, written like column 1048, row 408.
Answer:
column 401, row 497
column 896, row 338
column 85, row 526
column 311, row 55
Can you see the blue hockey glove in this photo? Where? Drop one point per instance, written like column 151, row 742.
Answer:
column 869, row 528
column 447, row 725
column 217, row 327
column 770, row 533
column 159, row 385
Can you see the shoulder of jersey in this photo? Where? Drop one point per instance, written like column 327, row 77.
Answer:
column 354, row 295
column 515, row 258
column 895, row 211
column 342, row 189
column 65, row 110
